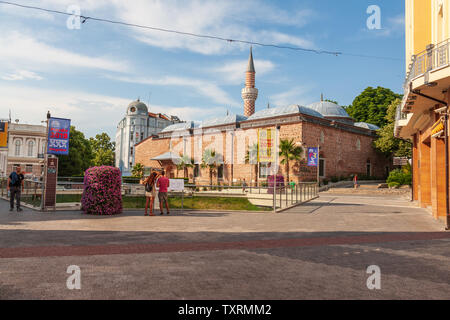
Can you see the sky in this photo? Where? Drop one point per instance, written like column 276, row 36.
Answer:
column 91, row 74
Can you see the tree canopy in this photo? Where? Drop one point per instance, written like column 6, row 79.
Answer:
column 79, row 158
column 371, row 105
column 103, row 150
column 386, row 142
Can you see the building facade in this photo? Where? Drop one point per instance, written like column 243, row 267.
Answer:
column 137, row 125
column 345, row 146
column 422, row 116
column 26, row 148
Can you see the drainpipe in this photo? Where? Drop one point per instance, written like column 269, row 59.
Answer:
column 447, row 220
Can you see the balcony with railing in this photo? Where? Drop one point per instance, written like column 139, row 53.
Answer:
column 423, row 75
column 433, row 58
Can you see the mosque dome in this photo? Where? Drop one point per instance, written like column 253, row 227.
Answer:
column 329, row 109
column 366, row 125
column 137, row 108
column 281, row 111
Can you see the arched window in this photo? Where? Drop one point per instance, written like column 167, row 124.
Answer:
column 358, row 144
column 30, row 148
column 18, row 145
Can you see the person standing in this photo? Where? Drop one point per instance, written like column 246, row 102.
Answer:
column 163, row 184
column 150, row 191
column 15, row 187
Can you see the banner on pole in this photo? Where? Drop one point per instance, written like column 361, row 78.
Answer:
column 266, row 143
column 3, row 134
column 313, row 157
column 58, row 136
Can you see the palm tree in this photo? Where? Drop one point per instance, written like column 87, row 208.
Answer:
column 252, row 157
column 138, row 170
column 187, row 162
column 289, row 152
column 210, row 161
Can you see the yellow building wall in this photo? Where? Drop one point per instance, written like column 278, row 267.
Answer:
column 422, row 25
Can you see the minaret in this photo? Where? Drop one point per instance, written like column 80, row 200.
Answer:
column 249, row 93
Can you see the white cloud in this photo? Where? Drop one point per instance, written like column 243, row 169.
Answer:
column 233, row 71
column 296, row 95
column 205, row 88
column 24, row 51
column 91, row 113
column 188, row 113
column 21, row 75
column 226, row 19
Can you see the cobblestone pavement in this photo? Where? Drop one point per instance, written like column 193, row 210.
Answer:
column 320, row 250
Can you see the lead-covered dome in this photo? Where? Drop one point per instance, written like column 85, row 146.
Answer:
column 286, row 110
column 331, row 111
column 137, row 108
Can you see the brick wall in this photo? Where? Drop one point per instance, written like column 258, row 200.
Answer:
column 339, row 149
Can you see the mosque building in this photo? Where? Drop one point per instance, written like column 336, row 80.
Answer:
column 345, row 146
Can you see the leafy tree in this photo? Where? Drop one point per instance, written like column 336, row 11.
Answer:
column 371, row 105
column 289, row 152
column 332, row 101
column 79, row 157
column 210, row 160
column 386, row 142
column 138, row 170
column 103, row 150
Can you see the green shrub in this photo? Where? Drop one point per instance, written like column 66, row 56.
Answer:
column 393, row 184
column 334, row 179
column 399, row 177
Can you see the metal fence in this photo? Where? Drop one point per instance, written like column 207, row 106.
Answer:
column 278, row 198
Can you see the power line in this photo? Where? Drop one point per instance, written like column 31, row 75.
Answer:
column 85, row 18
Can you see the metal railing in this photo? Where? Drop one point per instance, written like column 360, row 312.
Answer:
column 278, row 198
column 434, row 57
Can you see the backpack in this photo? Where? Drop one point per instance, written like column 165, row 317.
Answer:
column 148, row 187
column 14, row 179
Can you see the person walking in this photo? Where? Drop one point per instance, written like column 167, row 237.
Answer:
column 15, row 187
column 150, row 192
column 163, row 184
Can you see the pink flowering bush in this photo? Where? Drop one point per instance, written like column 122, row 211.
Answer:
column 102, row 191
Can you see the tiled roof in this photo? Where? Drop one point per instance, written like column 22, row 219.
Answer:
column 230, row 119
column 179, row 127
column 366, row 125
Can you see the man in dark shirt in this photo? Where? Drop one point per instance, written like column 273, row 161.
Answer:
column 15, row 187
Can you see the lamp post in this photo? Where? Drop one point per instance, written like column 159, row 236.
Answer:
column 45, row 165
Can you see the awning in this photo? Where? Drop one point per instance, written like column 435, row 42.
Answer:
column 437, row 129
column 168, row 156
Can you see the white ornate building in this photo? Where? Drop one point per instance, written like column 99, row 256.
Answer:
column 137, row 125
column 26, row 148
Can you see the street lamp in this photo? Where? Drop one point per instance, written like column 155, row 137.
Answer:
column 44, row 180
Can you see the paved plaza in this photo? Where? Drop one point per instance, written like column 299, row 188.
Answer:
column 320, row 250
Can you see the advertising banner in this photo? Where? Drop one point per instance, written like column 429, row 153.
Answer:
column 3, row 134
column 266, row 143
column 58, row 136
column 313, row 157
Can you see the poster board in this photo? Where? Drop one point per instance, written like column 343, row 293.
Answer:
column 176, row 185
column 266, row 142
